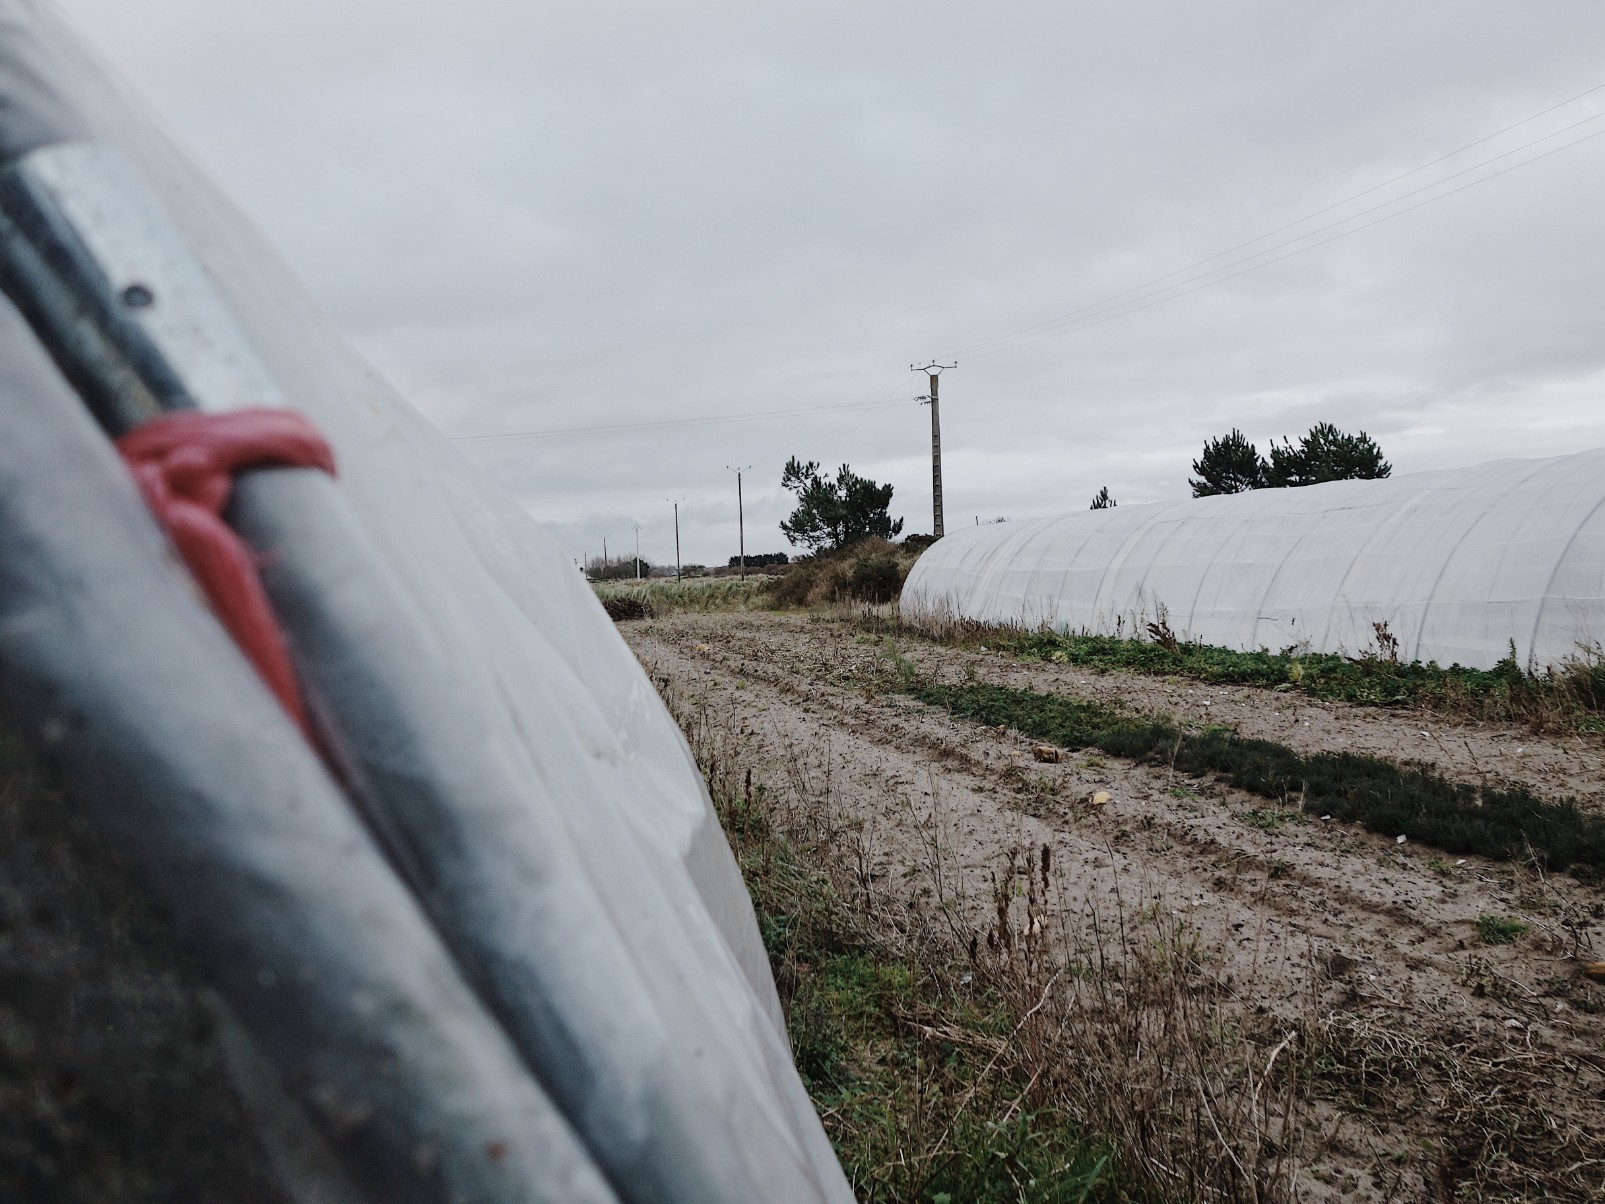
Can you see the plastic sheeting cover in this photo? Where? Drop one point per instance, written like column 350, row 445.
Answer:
column 1460, row 564
column 553, row 697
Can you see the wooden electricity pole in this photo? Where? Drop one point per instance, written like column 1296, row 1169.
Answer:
column 676, row 502
column 741, row 516
column 934, row 371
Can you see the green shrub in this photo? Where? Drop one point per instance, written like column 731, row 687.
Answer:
column 875, row 580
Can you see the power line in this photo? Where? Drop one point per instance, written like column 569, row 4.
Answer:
column 977, row 348
column 1112, row 307
column 1098, row 320
column 832, row 434
column 836, row 427
column 1099, row 307
column 671, row 422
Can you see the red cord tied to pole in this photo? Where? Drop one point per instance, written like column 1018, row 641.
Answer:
column 185, row 463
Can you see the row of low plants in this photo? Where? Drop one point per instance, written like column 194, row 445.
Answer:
column 1505, row 822
column 1569, row 697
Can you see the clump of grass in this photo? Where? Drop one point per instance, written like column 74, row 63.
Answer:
column 1568, row 696
column 1135, row 1027
column 1503, row 1142
column 1500, row 823
column 1499, row 930
column 1271, row 818
column 622, row 607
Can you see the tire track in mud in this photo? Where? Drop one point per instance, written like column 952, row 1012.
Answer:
column 1302, row 914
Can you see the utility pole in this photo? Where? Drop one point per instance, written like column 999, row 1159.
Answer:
column 604, row 553
column 934, row 371
column 741, row 515
column 676, row 502
column 637, row 527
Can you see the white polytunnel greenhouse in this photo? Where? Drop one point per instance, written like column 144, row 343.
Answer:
column 1459, row 566
column 454, row 923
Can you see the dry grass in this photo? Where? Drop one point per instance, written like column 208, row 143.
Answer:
column 659, row 596
column 1138, row 1031
column 909, row 1048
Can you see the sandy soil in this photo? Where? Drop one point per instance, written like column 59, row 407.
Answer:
column 1312, row 918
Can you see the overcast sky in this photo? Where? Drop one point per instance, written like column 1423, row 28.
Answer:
column 547, row 216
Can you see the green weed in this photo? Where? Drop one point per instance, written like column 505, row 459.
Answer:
column 1499, row 930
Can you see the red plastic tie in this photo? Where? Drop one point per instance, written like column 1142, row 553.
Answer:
column 185, row 463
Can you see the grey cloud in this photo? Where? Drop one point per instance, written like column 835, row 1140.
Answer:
column 550, row 216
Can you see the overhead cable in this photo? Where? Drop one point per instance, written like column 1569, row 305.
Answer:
column 671, row 422
column 986, row 345
column 1100, row 318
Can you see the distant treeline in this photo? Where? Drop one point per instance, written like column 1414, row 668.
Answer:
column 761, row 560
column 616, row 568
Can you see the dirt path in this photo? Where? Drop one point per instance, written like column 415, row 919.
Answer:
column 1308, row 919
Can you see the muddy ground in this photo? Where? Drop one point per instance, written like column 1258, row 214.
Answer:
column 1318, row 923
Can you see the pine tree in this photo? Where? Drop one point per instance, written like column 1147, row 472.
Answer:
column 1325, row 454
column 1229, row 464
column 1102, row 501
column 832, row 514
